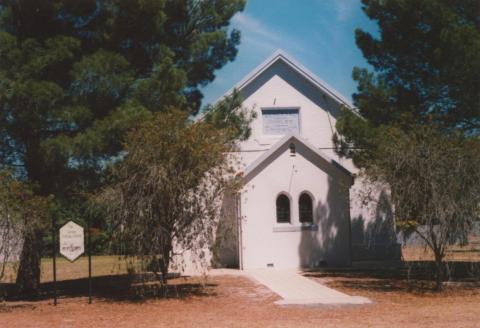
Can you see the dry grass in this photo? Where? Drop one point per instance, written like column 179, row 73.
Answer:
column 469, row 253
column 101, row 266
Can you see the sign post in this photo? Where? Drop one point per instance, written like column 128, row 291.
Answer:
column 72, row 246
column 54, row 256
column 89, row 262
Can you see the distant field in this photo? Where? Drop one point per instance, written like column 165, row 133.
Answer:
column 101, row 266
column 469, row 253
column 111, row 265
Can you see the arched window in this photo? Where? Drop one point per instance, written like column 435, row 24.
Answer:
column 305, row 207
column 283, row 209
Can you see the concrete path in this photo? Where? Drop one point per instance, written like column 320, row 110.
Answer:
column 298, row 290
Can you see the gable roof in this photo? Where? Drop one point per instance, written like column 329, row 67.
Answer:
column 287, row 139
column 280, row 55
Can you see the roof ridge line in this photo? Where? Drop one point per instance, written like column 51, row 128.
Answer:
column 250, row 168
column 294, row 64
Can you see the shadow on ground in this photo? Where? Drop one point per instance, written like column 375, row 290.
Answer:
column 116, row 288
column 417, row 277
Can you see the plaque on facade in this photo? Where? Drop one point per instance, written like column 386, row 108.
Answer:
column 280, row 121
column 71, row 241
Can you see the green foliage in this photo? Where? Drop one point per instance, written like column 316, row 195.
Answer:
column 230, row 116
column 75, row 76
column 418, row 117
column 434, row 180
column 165, row 195
column 19, row 203
column 357, row 137
column 426, row 60
column 434, row 176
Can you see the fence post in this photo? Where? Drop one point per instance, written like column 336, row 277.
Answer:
column 54, row 255
column 89, row 262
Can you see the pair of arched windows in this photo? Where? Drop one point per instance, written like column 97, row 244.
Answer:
column 305, row 208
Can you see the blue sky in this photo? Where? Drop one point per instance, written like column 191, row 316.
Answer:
column 317, row 33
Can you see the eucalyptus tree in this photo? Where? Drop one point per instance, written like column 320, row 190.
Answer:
column 164, row 197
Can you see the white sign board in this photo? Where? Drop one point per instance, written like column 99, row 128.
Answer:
column 71, row 241
column 280, row 122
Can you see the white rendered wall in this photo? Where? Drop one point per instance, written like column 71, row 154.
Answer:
column 279, row 86
column 285, row 245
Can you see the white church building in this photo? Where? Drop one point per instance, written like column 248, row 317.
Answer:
column 300, row 206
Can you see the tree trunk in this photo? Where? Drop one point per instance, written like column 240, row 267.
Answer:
column 28, row 276
column 164, row 263
column 439, row 271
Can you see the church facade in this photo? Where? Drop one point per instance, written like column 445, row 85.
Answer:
column 300, row 206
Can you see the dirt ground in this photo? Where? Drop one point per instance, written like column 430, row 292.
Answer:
column 236, row 301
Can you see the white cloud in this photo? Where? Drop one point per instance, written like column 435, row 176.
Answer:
column 344, row 9
column 256, row 33
column 251, row 25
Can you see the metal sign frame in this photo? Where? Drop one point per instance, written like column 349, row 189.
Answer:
column 56, row 247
